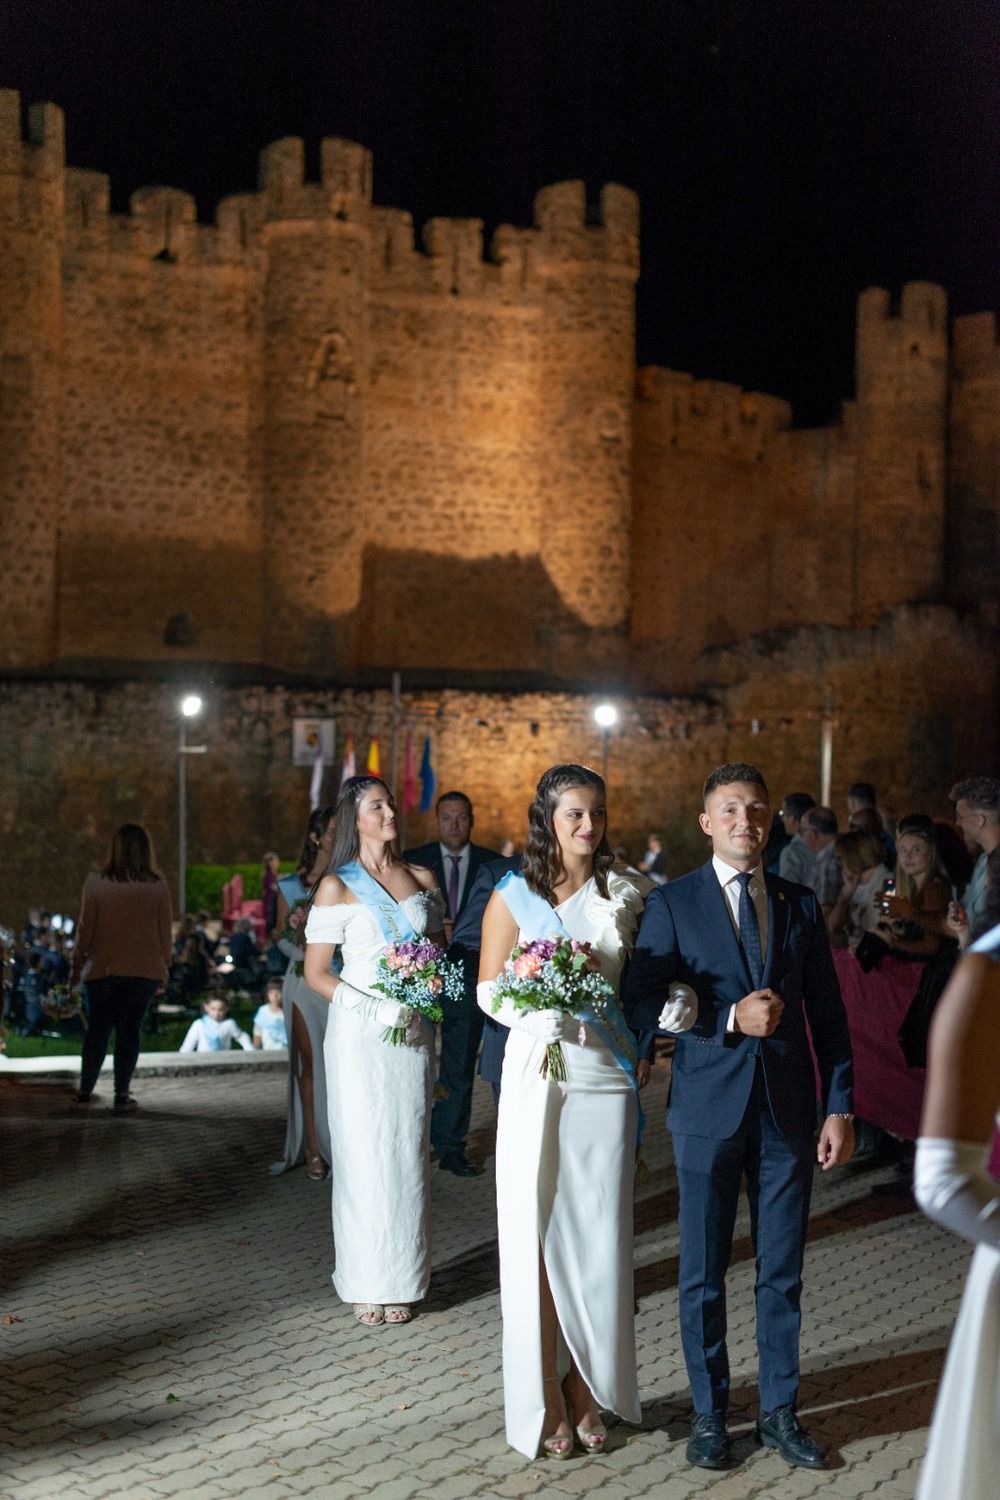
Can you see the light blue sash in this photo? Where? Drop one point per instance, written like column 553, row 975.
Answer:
column 388, row 913
column 537, row 919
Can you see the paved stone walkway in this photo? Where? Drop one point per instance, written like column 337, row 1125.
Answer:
column 168, row 1328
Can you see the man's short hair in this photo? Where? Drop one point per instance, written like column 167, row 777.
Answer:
column 821, row 820
column 730, row 773
column 982, row 793
column 454, row 797
column 863, row 792
column 796, row 803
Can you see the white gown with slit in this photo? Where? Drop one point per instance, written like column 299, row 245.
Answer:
column 963, row 1451
column 565, row 1171
column 379, row 1100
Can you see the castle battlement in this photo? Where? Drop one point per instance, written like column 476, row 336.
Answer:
column 43, row 153
column 974, row 346
column 708, row 413
column 449, row 260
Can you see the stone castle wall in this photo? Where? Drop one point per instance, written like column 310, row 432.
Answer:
column 913, row 701
column 295, row 440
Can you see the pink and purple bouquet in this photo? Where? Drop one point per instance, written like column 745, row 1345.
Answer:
column 553, row 973
column 416, row 973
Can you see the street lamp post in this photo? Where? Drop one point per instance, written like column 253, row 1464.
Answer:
column 606, row 716
column 190, row 706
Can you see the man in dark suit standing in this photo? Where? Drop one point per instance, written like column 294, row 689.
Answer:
column 456, row 862
column 754, row 949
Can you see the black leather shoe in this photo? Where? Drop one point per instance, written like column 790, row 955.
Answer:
column 780, row 1429
column 458, row 1165
column 708, row 1445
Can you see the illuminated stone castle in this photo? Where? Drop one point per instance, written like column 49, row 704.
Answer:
column 295, row 441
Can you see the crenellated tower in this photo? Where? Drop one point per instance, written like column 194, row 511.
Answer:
column 314, row 238
column 31, row 382
column 902, row 405
column 587, row 375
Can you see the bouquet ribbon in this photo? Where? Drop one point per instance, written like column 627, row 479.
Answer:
column 395, row 926
column 537, row 919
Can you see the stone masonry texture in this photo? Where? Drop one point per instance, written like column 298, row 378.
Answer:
column 281, row 456
column 298, row 440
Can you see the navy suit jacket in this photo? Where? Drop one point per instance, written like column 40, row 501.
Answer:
column 428, row 856
column 687, row 934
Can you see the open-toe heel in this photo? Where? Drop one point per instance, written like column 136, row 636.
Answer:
column 557, row 1447
column 592, row 1439
column 316, row 1167
column 560, row 1444
column 371, row 1314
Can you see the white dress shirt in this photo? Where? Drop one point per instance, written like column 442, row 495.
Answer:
column 447, row 855
column 728, row 878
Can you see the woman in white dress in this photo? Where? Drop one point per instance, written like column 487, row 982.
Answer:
column 566, row 1151
column 952, row 1185
column 379, row 1096
column 307, row 1133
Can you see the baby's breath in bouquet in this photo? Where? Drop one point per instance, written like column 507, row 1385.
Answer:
column 416, row 973
column 553, row 973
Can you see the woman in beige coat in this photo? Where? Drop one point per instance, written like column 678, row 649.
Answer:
column 122, row 953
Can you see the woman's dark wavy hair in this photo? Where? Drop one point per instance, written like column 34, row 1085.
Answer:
column 345, row 841
column 319, row 819
column 543, row 867
column 131, row 855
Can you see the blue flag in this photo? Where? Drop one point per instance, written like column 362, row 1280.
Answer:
column 428, row 781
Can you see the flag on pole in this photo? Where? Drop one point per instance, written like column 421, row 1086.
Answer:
column 428, row 781
column 348, row 770
column 373, row 766
column 316, row 785
column 409, row 777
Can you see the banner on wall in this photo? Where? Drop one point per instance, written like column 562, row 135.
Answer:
column 311, row 735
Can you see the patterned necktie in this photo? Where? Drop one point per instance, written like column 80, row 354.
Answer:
column 453, row 887
column 750, row 931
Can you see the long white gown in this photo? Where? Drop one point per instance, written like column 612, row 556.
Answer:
column 379, row 1100
column 315, row 1011
column 963, row 1452
column 565, row 1171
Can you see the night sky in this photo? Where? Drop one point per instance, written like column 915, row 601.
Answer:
column 788, row 153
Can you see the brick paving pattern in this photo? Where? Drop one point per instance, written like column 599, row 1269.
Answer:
column 169, row 1327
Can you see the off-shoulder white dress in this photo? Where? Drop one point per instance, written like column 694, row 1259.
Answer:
column 565, row 1173
column 379, row 1101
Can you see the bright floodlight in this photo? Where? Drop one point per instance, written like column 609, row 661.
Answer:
column 190, row 705
column 606, row 714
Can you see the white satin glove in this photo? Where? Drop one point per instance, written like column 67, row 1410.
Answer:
column 546, row 1026
column 681, row 1009
column 953, row 1187
column 376, row 1008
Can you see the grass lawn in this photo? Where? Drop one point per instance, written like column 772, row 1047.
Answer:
column 168, row 1038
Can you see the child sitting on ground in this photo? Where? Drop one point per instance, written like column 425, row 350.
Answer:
column 213, row 1032
column 269, row 1022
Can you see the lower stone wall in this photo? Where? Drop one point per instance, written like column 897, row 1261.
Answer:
column 914, row 706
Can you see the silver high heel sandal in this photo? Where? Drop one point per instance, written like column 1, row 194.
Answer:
column 557, row 1446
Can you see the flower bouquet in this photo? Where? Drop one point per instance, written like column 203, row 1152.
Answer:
column 553, row 973
column 62, row 1003
column 294, row 930
column 416, row 973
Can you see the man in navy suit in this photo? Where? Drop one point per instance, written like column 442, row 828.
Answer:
column 456, row 862
column 754, row 949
